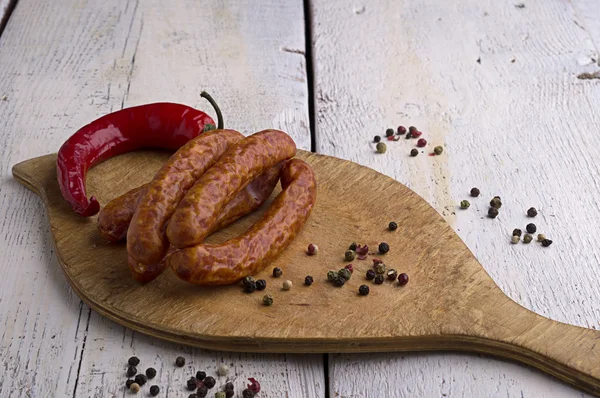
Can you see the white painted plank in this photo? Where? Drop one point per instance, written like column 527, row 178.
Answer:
column 61, row 67
column 525, row 130
column 4, row 11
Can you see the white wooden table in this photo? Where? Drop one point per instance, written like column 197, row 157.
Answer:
column 494, row 83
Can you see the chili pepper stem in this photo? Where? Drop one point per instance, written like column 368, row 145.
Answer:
column 210, row 99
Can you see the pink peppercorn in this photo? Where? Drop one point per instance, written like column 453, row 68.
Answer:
column 416, row 133
column 402, row 279
column 401, row 130
column 421, row 143
column 312, row 249
column 350, row 268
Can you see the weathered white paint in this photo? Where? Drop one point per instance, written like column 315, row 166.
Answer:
column 61, row 67
column 525, row 130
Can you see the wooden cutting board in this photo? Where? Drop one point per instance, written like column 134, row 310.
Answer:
column 450, row 303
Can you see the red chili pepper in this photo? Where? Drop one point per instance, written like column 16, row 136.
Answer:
column 158, row 125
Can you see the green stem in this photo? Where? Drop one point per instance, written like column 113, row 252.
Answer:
column 210, row 99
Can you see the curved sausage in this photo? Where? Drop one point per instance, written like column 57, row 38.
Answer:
column 228, row 262
column 114, row 218
column 197, row 212
column 146, row 240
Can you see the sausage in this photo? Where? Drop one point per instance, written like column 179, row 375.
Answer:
column 114, row 218
column 230, row 261
column 197, row 212
column 146, row 240
column 248, row 200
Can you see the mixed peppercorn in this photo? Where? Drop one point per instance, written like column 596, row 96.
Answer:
column 412, row 132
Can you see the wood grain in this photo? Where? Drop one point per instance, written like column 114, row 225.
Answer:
column 525, row 131
column 450, row 304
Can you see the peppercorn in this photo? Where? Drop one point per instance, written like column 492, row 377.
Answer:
column 195, row 396
column 248, row 281
column 376, row 261
column 381, row 147
column 363, row 290
column 475, row 192
column 541, row 237
column 392, row 274
column 202, row 391
column 527, row 238
column 192, row 383
column 379, row 268
column 133, row 361
column 287, row 285
column 135, row 388
column 229, row 393
column 378, row 279
column 350, row 255
column 546, row 242
column 180, row 361
column 408, row 135
column 412, row 128
column 331, row 275
column 350, row 268
column 209, row 382
column 416, row 133
column 383, row 248
column 517, row 232
column 376, row 139
column 339, row 281
column 389, row 132
column 129, row 382
column 150, row 373
column 229, row 386
column 268, row 300
column 422, row 142
column 222, row 370
column 401, row 130
column 496, row 203
column 261, row 284
column 392, row 226
column 402, row 279
column 131, row 371
column 250, row 288
column 515, row 239
column 248, row 393
column 312, row 249
column 492, row 212
column 532, row 212
column 370, row 275
column 277, row 272
column 154, row 390
column 438, row 150
column 200, row 375
column 344, row 273
column 414, row 152
column 464, row 204
column 308, row 280
column 531, row 228
column 141, row 379
column 220, row 394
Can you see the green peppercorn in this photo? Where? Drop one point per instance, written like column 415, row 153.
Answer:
column 339, row 281
column 517, row 232
column 546, row 242
column 154, row 390
column 268, row 300
column 527, row 238
column 438, row 150
column 345, row 273
column 392, row 226
column 389, row 132
column 131, row 371
column 381, row 147
column 261, row 284
column 379, row 279
column 383, row 248
column 475, row 192
column 248, row 281
column 379, row 268
column 133, row 361
column 352, row 246
column 250, row 288
column 376, row 139
column 464, row 204
column 180, row 362
column 277, row 272
column 220, row 394
column 531, row 228
column 363, row 290
column 532, row 212
column 350, row 255
column 413, row 152
column 308, row 280
column 331, row 275
column 496, row 203
column 392, row 274
column 492, row 212
column 370, row 275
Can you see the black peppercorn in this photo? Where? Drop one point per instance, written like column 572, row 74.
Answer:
column 475, row 192
column 247, row 393
column 389, row 132
column 202, row 391
column 414, row 152
column 376, row 138
column 339, row 281
column 408, row 135
column 200, row 375
column 411, row 129
column 546, row 242
column 141, row 379
column 532, row 212
column 531, row 228
column 154, row 390
column 384, row 248
column 195, row 396
column 250, row 288
column 229, row 386
column 151, row 373
column 363, row 290
column 229, row 393
column 277, row 272
column 371, row 275
column 209, row 382
column 492, row 212
column 392, row 226
column 261, row 284
column 517, row 232
column 379, row 279
column 131, row 371
column 129, row 382
column 248, row 281
column 133, row 361
column 192, row 384
column 308, row 280
column 180, row 362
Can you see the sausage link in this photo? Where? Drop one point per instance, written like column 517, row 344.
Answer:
column 248, row 200
column 198, row 210
column 114, row 218
column 146, row 240
column 228, row 262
